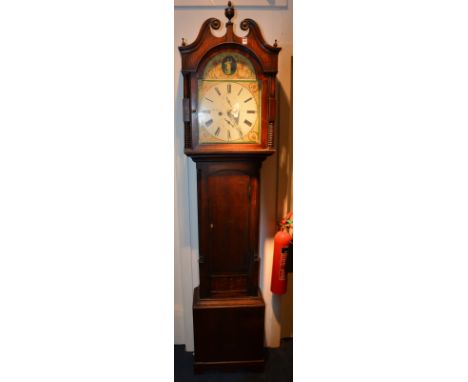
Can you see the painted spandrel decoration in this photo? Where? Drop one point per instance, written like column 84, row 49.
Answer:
column 229, row 97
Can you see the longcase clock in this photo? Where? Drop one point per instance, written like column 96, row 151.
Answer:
column 229, row 111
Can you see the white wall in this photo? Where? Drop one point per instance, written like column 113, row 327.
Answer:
column 276, row 175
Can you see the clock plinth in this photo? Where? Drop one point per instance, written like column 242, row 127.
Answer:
column 228, row 332
column 229, row 113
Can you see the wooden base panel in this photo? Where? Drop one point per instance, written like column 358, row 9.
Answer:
column 229, row 333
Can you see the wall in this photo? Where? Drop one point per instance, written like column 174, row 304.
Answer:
column 276, row 176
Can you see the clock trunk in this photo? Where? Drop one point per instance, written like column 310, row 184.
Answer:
column 228, row 194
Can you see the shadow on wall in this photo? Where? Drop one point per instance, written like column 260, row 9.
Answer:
column 283, row 304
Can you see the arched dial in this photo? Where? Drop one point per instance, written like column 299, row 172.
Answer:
column 228, row 111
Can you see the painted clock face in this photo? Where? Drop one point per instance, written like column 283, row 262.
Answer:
column 228, row 111
column 229, row 101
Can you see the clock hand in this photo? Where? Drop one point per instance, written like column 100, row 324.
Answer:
column 235, row 113
column 236, row 110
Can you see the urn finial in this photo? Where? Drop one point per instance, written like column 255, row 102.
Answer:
column 229, row 11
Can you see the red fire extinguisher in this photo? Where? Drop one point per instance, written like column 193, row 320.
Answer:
column 279, row 279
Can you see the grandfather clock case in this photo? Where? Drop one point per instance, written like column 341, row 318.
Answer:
column 229, row 112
